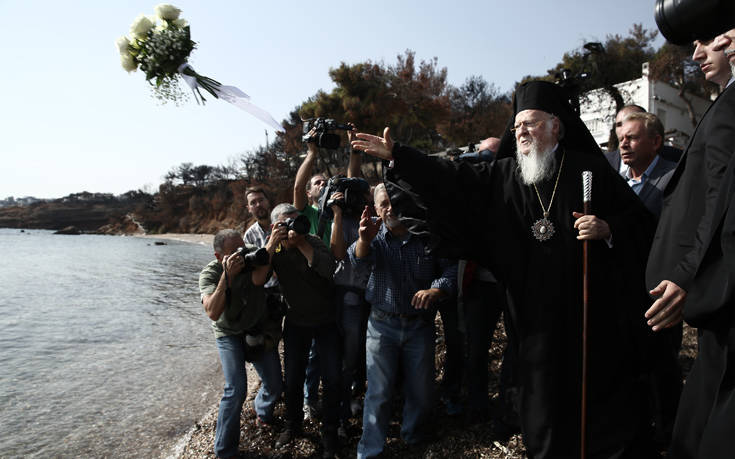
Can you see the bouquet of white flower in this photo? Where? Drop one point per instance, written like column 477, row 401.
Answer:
column 161, row 50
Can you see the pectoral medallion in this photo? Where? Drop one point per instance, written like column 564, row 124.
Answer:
column 543, row 229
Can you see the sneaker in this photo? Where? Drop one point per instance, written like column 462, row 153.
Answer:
column 285, row 438
column 310, row 413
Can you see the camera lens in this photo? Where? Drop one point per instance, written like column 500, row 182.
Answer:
column 683, row 21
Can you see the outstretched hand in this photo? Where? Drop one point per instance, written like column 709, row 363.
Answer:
column 368, row 227
column 380, row 147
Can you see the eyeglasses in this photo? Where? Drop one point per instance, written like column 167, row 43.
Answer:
column 528, row 125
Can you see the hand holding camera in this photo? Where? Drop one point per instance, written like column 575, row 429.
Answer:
column 320, row 132
column 336, row 203
column 234, row 265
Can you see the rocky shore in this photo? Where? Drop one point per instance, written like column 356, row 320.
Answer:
column 453, row 436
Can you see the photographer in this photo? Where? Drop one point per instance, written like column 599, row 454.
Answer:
column 305, row 267
column 307, row 193
column 404, row 288
column 233, row 297
column 352, row 308
column 306, row 190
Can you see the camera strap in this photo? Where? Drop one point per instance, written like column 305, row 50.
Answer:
column 228, row 291
column 322, row 226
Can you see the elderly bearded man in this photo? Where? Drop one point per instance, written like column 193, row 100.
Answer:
column 519, row 216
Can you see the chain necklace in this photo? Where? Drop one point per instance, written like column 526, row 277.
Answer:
column 543, row 229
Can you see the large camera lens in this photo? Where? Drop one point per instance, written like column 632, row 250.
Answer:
column 683, row 21
column 328, row 140
column 300, row 224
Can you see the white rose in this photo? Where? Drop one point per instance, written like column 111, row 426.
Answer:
column 128, row 63
column 167, row 12
column 140, row 27
column 180, row 23
column 122, row 45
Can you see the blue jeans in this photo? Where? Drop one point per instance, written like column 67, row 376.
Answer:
column 311, row 383
column 392, row 341
column 268, row 368
column 232, row 355
column 297, row 341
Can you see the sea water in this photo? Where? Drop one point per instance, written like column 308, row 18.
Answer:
column 105, row 350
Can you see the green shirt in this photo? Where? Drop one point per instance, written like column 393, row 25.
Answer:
column 312, row 213
column 246, row 304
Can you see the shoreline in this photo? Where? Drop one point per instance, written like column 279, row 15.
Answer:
column 198, row 441
column 192, row 238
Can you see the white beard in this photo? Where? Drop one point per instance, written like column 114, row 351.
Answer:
column 537, row 166
column 392, row 222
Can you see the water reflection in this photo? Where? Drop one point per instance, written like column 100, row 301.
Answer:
column 103, row 345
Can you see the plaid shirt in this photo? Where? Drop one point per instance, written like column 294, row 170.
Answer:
column 256, row 236
column 398, row 268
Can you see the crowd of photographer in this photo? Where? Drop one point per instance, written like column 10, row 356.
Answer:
column 354, row 293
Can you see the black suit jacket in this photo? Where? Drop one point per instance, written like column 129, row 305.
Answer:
column 652, row 192
column 714, row 284
column 704, row 425
column 691, row 196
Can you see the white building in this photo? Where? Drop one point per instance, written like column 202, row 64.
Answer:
column 597, row 108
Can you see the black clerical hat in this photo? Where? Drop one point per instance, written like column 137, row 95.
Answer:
column 551, row 98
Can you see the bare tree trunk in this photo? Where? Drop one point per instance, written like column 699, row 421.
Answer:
column 617, row 97
column 690, row 107
column 612, row 140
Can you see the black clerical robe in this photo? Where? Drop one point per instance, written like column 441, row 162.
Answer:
column 484, row 212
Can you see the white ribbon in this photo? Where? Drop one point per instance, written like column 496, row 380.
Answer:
column 235, row 96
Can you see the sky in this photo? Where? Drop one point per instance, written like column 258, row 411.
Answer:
column 72, row 120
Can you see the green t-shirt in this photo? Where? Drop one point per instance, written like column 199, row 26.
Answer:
column 246, row 303
column 312, row 213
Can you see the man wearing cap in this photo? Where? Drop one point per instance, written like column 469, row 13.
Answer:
column 520, row 216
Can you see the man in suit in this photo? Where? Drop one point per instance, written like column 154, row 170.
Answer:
column 666, row 152
column 641, row 139
column 689, row 218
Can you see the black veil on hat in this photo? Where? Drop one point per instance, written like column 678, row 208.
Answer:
column 551, row 98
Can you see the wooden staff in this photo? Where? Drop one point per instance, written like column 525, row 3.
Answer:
column 587, row 204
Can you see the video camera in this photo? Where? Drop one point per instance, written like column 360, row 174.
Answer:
column 300, row 224
column 253, row 257
column 354, row 201
column 323, row 135
column 683, row 21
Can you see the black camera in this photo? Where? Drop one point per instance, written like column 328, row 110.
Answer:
column 253, row 257
column 300, row 224
column 354, row 190
column 323, row 134
column 683, row 21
